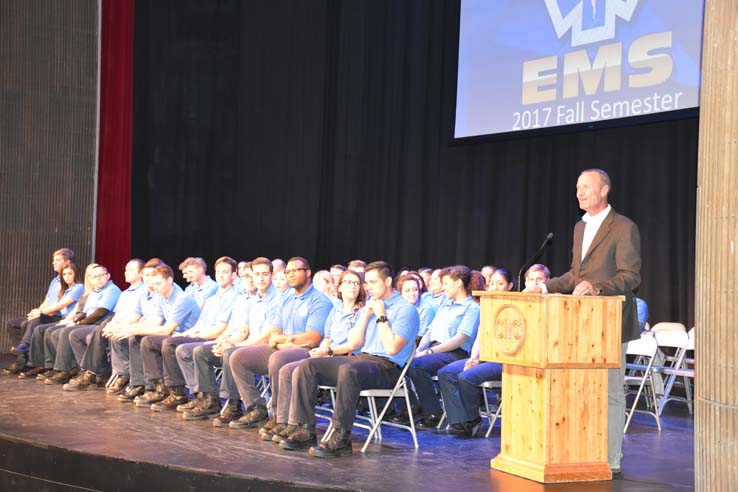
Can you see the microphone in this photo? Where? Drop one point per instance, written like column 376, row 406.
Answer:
column 534, row 258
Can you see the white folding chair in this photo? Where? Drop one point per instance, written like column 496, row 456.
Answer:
column 678, row 340
column 491, row 419
column 400, row 390
column 640, row 374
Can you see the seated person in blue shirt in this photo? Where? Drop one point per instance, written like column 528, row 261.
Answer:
column 70, row 292
column 323, row 281
column 341, row 319
column 300, row 328
column 642, row 308
column 336, row 271
column 158, row 353
column 386, row 334
column 89, row 345
column 460, row 380
column 37, row 356
column 200, row 285
column 98, row 307
column 125, row 348
column 435, row 288
column 449, row 338
column 180, row 312
column 412, row 288
column 249, row 315
column 46, row 312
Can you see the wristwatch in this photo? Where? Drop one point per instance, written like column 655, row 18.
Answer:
column 382, row 319
column 329, row 351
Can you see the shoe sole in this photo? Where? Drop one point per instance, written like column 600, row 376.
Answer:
column 348, row 451
column 187, row 416
column 297, row 447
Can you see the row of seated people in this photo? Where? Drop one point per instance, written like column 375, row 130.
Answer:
column 163, row 340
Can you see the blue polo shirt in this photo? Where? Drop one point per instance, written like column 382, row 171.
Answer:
column 52, row 293
column 129, row 301
column 339, row 323
column 74, row 292
column 150, row 305
column 217, row 308
column 239, row 308
column 106, row 298
column 426, row 312
column 456, row 317
column 263, row 311
column 307, row 311
column 202, row 292
column 404, row 321
column 180, row 308
column 437, row 299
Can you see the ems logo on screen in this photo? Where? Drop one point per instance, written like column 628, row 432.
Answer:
column 598, row 64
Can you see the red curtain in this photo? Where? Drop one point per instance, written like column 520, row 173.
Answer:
column 113, row 238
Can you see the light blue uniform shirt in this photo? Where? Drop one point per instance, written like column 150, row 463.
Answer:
column 52, row 293
column 202, row 292
column 150, row 306
column 339, row 323
column 263, row 311
column 456, row 317
column 180, row 308
column 217, row 308
column 106, row 298
column 73, row 292
column 403, row 319
column 426, row 312
column 129, row 301
column 239, row 310
column 307, row 311
column 437, row 299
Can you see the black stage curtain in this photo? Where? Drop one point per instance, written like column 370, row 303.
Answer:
column 323, row 129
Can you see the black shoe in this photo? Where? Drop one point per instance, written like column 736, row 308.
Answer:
column 231, row 413
column 254, row 418
column 617, row 474
column 209, row 408
column 81, row 382
column 118, row 386
column 61, row 377
column 177, row 396
column 131, row 393
column 17, row 367
column 303, row 437
column 154, row 396
column 339, row 444
column 428, row 422
column 32, row 373
column 471, row 427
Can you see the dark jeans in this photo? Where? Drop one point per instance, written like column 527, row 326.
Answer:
column 349, row 374
column 421, row 372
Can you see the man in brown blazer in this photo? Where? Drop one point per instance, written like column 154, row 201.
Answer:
column 606, row 261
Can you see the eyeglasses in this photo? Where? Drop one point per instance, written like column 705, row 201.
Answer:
column 355, row 283
column 294, row 271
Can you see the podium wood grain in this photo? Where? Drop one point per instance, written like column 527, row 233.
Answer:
column 554, row 383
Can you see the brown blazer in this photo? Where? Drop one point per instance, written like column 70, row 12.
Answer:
column 612, row 264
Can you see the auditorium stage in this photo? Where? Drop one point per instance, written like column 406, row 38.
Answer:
column 54, row 440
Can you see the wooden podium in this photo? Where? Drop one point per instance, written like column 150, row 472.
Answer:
column 556, row 350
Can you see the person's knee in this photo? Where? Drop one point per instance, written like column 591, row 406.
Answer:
column 182, row 352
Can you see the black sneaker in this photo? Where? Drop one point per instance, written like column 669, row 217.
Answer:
column 471, row 427
column 339, row 444
column 32, row 373
column 428, row 422
column 303, row 437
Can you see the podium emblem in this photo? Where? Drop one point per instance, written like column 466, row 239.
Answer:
column 509, row 329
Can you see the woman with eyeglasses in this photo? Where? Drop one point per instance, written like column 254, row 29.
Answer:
column 340, row 321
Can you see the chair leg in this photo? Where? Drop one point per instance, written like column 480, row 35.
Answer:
column 653, row 394
column 492, row 422
column 688, row 391
column 412, row 420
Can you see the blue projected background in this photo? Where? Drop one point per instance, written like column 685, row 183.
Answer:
column 532, row 64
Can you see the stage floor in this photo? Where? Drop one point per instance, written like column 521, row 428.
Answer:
column 59, row 440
